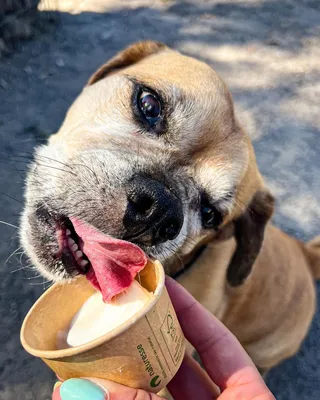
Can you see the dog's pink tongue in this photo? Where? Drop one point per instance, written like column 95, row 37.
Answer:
column 115, row 262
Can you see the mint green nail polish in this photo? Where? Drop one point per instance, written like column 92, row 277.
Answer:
column 81, row 389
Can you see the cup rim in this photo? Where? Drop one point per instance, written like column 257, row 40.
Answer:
column 68, row 352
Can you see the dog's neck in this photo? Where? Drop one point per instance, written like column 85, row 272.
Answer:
column 189, row 264
column 180, row 265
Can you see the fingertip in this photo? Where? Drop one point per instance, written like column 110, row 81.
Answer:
column 179, row 296
column 56, row 391
column 170, row 282
column 80, row 388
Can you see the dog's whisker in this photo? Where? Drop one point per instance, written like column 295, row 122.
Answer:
column 40, row 283
column 24, row 267
column 51, row 159
column 47, row 174
column 12, row 254
column 44, row 283
column 240, row 204
column 90, row 169
column 21, row 256
column 67, row 165
column 176, row 255
column 11, row 156
column 52, row 167
column 11, row 197
column 8, row 224
column 33, row 277
column 14, row 237
column 190, row 239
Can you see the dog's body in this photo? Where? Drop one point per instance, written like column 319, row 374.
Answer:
column 271, row 312
column 255, row 278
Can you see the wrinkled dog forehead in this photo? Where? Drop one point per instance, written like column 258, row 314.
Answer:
column 197, row 105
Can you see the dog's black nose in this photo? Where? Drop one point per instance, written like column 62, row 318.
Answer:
column 154, row 213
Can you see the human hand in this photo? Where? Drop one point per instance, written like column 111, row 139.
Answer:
column 227, row 365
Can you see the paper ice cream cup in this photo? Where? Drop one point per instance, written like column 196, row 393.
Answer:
column 145, row 352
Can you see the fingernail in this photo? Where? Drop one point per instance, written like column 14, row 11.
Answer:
column 82, row 389
column 56, row 385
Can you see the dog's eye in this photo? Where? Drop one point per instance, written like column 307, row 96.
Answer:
column 211, row 217
column 208, row 217
column 150, row 107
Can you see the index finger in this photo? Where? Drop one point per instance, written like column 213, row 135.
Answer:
column 223, row 357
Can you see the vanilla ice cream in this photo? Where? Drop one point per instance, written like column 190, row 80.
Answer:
column 96, row 318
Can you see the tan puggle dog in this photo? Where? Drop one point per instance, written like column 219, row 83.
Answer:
column 151, row 152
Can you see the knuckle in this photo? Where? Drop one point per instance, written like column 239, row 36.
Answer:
column 143, row 395
column 208, row 344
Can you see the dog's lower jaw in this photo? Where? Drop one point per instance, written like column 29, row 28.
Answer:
column 44, row 251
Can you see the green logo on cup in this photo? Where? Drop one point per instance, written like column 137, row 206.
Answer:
column 153, row 382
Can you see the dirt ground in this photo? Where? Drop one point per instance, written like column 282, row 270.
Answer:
column 267, row 51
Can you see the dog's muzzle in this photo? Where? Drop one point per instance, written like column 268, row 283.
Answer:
column 154, row 213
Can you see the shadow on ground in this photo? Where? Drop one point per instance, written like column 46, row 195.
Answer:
column 268, row 52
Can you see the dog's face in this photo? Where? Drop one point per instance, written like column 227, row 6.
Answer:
column 150, row 152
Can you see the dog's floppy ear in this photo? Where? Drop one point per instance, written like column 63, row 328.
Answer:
column 131, row 55
column 249, row 232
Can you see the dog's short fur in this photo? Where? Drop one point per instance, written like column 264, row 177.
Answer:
column 255, row 278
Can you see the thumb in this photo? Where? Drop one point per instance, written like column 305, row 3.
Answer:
column 98, row 389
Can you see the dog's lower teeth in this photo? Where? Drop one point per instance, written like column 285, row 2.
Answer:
column 78, row 254
column 71, row 242
column 68, row 232
column 74, row 247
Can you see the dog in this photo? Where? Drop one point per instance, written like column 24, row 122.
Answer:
column 151, row 152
